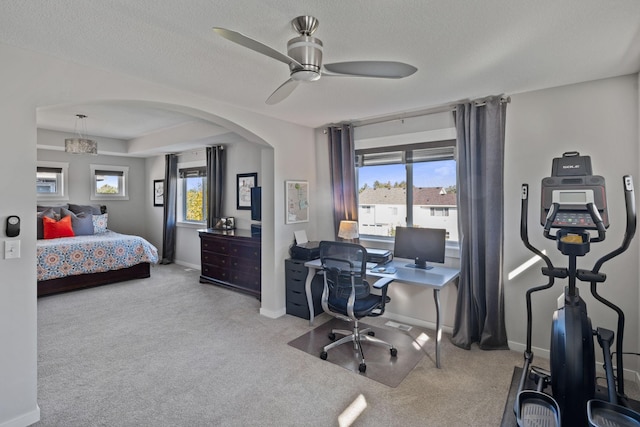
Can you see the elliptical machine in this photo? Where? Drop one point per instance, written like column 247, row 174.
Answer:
column 574, row 202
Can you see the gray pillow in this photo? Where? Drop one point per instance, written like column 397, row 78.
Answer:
column 81, row 223
column 89, row 209
column 56, row 209
column 50, row 213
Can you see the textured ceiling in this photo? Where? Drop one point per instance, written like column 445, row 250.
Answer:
column 462, row 49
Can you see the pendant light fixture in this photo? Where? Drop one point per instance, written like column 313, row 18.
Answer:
column 81, row 144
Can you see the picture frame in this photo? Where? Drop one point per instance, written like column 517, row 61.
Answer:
column 297, row 202
column 158, row 192
column 244, row 183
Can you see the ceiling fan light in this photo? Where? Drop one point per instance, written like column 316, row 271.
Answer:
column 305, row 75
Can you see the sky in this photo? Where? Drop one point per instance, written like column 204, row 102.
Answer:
column 440, row 173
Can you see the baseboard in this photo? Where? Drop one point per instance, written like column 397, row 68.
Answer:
column 24, row 420
column 416, row 322
column 186, row 264
column 537, row 351
column 273, row 314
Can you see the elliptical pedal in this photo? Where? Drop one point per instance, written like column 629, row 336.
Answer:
column 535, row 408
column 606, row 414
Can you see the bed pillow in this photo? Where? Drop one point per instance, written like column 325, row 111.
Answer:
column 100, row 223
column 54, row 229
column 49, row 213
column 89, row 209
column 56, row 209
column 81, row 223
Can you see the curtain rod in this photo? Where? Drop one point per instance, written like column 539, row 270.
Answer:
column 194, row 150
column 425, row 112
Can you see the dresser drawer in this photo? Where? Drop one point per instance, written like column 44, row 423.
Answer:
column 248, row 265
column 246, row 279
column 215, row 272
column 218, row 246
column 245, row 251
column 214, row 260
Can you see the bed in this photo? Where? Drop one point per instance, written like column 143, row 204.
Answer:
column 86, row 260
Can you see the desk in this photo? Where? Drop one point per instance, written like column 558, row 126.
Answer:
column 435, row 278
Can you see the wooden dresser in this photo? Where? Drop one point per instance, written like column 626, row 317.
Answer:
column 231, row 258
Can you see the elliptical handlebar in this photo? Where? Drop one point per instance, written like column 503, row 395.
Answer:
column 524, row 234
column 630, row 229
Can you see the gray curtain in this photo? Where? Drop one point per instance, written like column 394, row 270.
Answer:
column 343, row 174
column 480, row 167
column 215, row 183
column 170, row 200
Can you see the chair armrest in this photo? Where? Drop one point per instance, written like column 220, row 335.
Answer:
column 382, row 282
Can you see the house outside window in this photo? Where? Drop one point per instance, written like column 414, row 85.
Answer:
column 52, row 181
column 385, row 174
column 109, row 182
column 192, row 202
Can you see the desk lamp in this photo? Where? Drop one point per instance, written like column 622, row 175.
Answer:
column 348, row 230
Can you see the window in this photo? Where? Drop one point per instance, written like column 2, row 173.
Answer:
column 385, row 174
column 109, row 182
column 192, row 194
column 51, row 181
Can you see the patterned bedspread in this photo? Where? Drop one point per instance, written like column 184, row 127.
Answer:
column 70, row 256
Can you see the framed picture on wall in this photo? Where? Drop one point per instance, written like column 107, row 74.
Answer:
column 245, row 181
column 297, row 200
column 158, row 192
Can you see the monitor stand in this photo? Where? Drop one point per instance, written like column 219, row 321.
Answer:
column 420, row 265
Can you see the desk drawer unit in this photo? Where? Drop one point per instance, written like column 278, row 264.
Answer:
column 296, row 276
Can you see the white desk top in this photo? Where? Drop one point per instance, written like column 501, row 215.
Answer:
column 436, row 277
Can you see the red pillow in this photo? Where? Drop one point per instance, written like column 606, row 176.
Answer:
column 54, row 229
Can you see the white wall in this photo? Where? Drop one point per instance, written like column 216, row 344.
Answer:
column 124, row 215
column 28, row 81
column 241, row 157
column 599, row 119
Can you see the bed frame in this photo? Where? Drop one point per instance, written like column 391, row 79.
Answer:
column 81, row 281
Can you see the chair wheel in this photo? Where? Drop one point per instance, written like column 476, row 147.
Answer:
column 332, row 336
column 362, row 367
column 371, row 333
column 394, row 352
column 323, row 355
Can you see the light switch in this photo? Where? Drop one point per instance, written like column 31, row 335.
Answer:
column 11, row 249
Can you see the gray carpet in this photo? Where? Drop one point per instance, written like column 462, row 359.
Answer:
column 381, row 366
column 170, row 351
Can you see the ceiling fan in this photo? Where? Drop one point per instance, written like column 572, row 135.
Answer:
column 304, row 57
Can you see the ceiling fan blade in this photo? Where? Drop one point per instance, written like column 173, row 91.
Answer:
column 282, row 92
column 256, row 46
column 380, row 69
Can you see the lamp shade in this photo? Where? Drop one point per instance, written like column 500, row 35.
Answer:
column 348, row 229
column 80, row 146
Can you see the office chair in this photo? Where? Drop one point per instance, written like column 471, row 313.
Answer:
column 346, row 295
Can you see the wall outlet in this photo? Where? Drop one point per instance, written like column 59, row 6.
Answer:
column 11, row 249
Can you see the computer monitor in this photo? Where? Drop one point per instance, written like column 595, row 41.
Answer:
column 421, row 245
